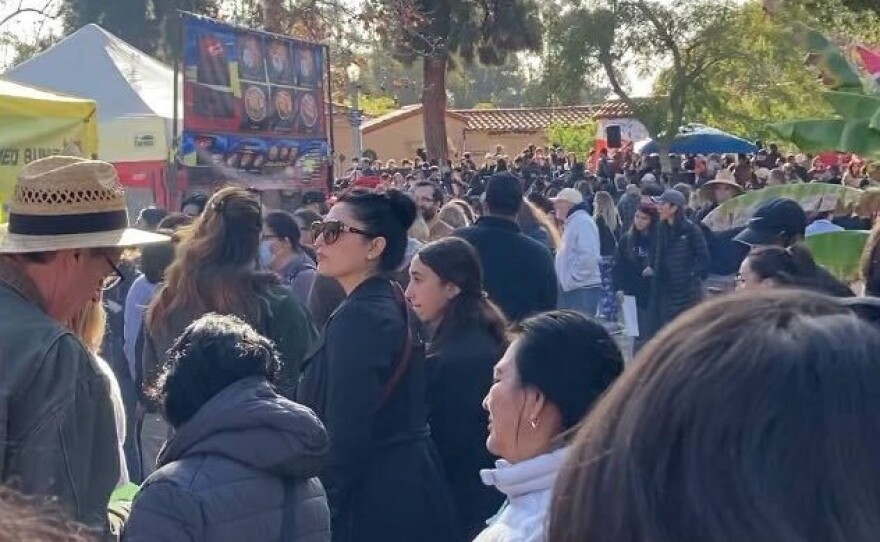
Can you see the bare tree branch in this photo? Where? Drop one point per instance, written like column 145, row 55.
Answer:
column 21, row 10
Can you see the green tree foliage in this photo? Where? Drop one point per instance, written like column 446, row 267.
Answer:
column 690, row 36
column 437, row 33
column 845, row 20
column 376, row 106
column 507, row 85
column 862, row 5
column 149, row 25
column 579, row 138
column 761, row 78
column 564, row 77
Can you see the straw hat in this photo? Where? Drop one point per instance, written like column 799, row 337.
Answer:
column 762, row 173
column 64, row 202
column 722, row 178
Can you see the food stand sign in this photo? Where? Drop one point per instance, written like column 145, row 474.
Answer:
column 254, row 108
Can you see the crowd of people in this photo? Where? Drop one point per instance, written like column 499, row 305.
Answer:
column 553, row 167
column 437, row 355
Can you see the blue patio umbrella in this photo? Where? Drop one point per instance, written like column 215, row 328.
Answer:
column 699, row 139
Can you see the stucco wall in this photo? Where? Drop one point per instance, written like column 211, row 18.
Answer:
column 400, row 139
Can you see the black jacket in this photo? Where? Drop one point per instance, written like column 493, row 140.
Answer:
column 607, row 238
column 634, row 255
column 681, row 262
column 383, row 480
column 518, row 271
column 725, row 254
column 459, row 377
column 245, row 464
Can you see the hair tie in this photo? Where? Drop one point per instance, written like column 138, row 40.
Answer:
column 484, row 295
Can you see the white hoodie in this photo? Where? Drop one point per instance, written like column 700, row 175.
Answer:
column 529, row 489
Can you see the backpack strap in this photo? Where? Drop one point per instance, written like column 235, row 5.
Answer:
column 405, row 354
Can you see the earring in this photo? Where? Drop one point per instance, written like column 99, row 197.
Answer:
column 534, row 423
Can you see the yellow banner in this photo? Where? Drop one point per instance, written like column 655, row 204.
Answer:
column 35, row 124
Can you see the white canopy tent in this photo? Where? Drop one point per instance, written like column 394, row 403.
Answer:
column 134, row 93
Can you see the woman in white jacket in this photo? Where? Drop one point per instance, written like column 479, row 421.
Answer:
column 558, row 364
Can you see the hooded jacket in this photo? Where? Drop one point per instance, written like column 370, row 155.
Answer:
column 242, row 467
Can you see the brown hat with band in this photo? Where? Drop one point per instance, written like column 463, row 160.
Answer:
column 722, row 178
column 65, row 202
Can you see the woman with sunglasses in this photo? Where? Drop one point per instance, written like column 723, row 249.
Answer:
column 366, row 382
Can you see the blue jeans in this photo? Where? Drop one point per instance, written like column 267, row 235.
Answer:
column 583, row 300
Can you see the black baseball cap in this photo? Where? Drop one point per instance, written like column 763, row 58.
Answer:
column 774, row 218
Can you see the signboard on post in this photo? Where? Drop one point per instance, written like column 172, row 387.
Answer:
column 254, row 108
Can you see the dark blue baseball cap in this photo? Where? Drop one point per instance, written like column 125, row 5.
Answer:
column 775, row 218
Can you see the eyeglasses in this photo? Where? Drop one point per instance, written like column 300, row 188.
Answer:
column 331, row 229
column 115, row 279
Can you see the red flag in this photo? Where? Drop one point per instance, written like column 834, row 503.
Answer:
column 870, row 60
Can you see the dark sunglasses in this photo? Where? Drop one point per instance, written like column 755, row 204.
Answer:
column 114, row 279
column 332, row 229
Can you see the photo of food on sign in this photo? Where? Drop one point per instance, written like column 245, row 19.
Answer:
column 282, row 98
column 232, row 152
column 213, row 66
column 306, row 68
column 257, row 108
column 250, row 58
column 279, row 64
column 308, row 113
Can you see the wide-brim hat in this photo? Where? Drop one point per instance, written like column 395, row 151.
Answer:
column 722, row 178
column 65, row 202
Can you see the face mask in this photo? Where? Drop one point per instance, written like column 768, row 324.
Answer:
column 265, row 253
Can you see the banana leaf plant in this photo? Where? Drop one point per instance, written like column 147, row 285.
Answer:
column 835, row 70
column 813, row 197
column 856, row 129
column 839, row 252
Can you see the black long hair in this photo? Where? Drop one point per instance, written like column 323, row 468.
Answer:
column 646, row 237
column 389, row 215
column 212, row 353
column 282, row 224
column 455, row 261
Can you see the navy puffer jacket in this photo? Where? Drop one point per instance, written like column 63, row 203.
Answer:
column 245, row 464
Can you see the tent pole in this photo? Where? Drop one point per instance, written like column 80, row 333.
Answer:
column 329, row 96
column 173, row 184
